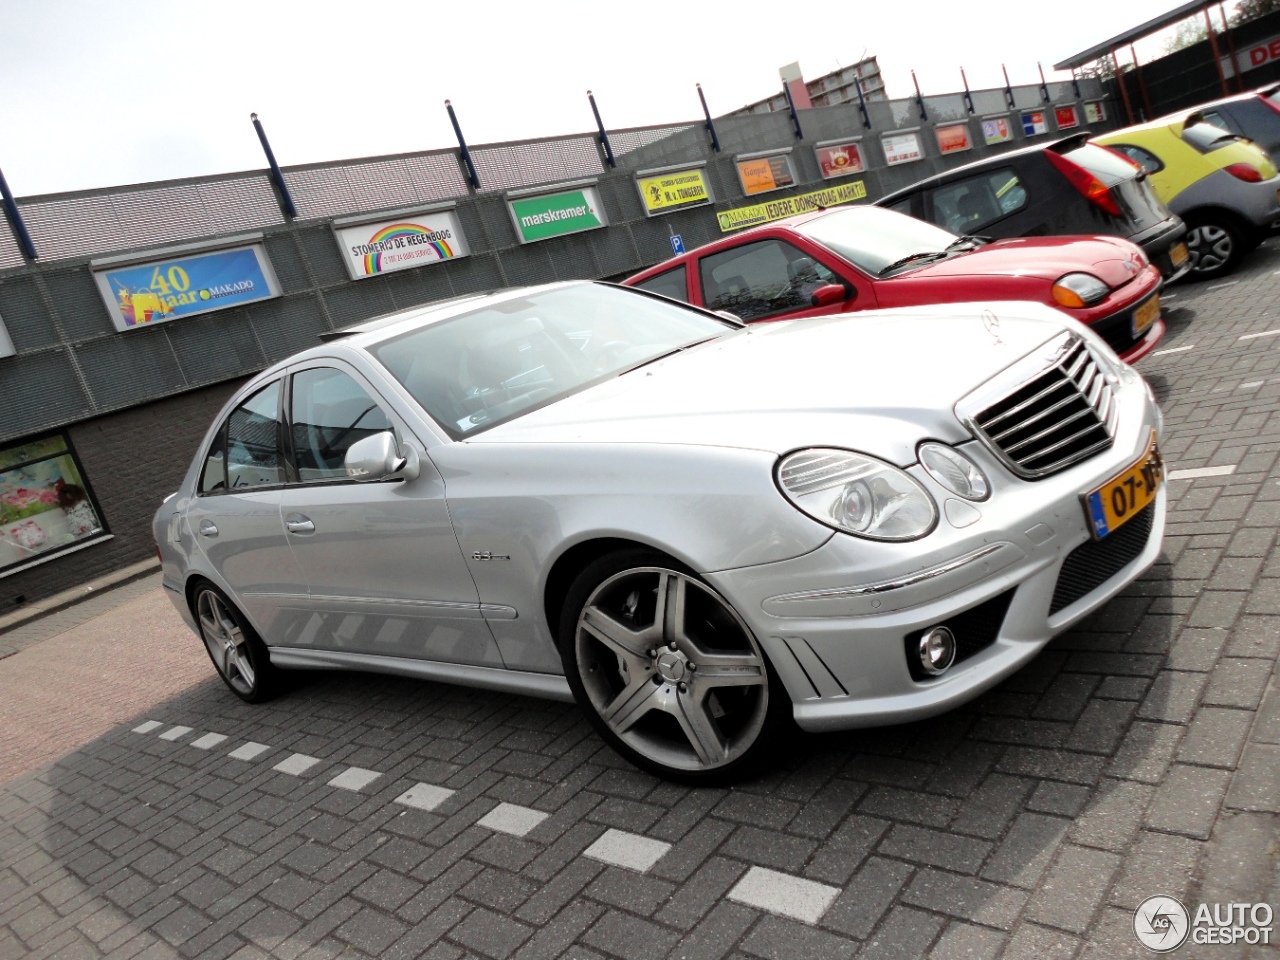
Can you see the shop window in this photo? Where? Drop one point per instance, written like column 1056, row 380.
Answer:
column 46, row 506
column 330, row 412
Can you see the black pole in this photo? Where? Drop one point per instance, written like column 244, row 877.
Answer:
column 1008, row 87
column 862, row 102
column 968, row 98
column 472, row 178
column 919, row 98
column 1075, row 82
column 15, row 221
column 791, row 108
column 604, row 137
column 286, row 201
column 1044, row 87
column 711, row 127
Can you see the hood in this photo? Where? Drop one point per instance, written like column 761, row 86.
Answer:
column 878, row 382
column 1113, row 260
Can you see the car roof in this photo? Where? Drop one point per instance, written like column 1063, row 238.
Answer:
column 1060, row 145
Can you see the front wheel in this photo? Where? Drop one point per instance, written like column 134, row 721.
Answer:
column 238, row 655
column 670, row 675
column 1215, row 243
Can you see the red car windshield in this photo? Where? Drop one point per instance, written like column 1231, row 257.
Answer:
column 872, row 238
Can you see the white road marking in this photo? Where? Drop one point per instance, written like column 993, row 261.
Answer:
column 630, row 850
column 175, row 733
column 1199, row 472
column 148, row 726
column 354, row 778
column 424, row 796
column 296, row 764
column 785, row 895
column 1219, row 286
column 249, row 751
column 513, row 819
column 1161, row 353
column 1255, row 336
column 1252, row 385
column 208, row 741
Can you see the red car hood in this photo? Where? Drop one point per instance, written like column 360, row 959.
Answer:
column 1111, row 259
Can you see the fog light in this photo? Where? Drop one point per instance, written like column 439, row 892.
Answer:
column 937, row 650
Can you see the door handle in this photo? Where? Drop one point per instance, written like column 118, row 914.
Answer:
column 208, row 528
column 297, row 523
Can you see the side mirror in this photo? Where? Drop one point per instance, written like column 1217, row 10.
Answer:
column 376, row 458
column 829, row 294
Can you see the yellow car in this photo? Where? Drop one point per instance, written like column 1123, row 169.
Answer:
column 1224, row 186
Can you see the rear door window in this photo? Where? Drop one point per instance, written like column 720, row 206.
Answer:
column 1143, row 158
column 670, row 283
column 761, row 279
column 966, row 206
column 246, row 451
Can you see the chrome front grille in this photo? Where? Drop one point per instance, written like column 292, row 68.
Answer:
column 1050, row 410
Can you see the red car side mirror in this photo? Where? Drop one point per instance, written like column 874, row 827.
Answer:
column 829, row 294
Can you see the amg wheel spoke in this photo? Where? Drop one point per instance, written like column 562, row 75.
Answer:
column 669, row 614
column 635, row 700
column 236, row 655
column 721, row 671
column 700, row 729
column 629, row 644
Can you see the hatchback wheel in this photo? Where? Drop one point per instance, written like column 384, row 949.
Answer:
column 1214, row 245
column 670, row 675
column 239, row 656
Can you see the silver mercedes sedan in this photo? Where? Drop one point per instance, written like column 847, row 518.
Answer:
column 697, row 530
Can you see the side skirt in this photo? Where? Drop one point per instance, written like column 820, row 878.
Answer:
column 545, row 685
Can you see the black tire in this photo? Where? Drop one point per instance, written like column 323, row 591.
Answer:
column 635, row 628
column 237, row 652
column 1216, row 242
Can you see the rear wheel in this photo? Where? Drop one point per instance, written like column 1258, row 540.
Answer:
column 670, row 675
column 1215, row 243
column 237, row 652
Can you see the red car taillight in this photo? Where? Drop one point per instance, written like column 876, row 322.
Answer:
column 1242, row 171
column 1089, row 186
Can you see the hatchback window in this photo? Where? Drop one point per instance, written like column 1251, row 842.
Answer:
column 1215, row 119
column 761, row 279
column 671, row 284
column 969, row 205
column 330, row 412
column 1205, row 137
column 252, row 445
column 1143, row 158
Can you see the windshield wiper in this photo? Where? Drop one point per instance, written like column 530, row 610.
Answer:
column 670, row 353
column 913, row 258
column 970, row 238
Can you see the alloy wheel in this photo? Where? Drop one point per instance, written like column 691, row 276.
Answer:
column 671, row 670
column 226, row 642
column 1210, row 247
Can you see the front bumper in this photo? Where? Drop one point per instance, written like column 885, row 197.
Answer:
column 840, row 648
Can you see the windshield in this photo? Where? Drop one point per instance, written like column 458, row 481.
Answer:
column 872, row 238
column 482, row 368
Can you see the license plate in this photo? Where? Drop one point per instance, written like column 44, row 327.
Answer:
column 1121, row 498
column 1145, row 315
column 1178, row 254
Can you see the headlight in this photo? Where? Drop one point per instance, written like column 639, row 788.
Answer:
column 1079, row 290
column 954, row 471
column 857, row 494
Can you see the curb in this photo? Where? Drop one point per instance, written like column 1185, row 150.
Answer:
column 69, row 598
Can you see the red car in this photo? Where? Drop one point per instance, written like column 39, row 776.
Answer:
column 857, row 258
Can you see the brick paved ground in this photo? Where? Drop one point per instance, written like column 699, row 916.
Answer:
column 1139, row 754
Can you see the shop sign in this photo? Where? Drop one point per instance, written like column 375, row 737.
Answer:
column 163, row 289
column 760, row 174
column 1094, row 111
column 954, row 138
column 6, row 345
column 1258, row 55
column 839, row 159
column 757, row 213
column 1066, row 117
column 399, row 243
column 558, row 214
column 1034, row 123
column 46, row 506
column 996, row 130
column 667, row 190
column 901, row 148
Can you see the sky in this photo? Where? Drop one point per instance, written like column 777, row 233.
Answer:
column 109, row 92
